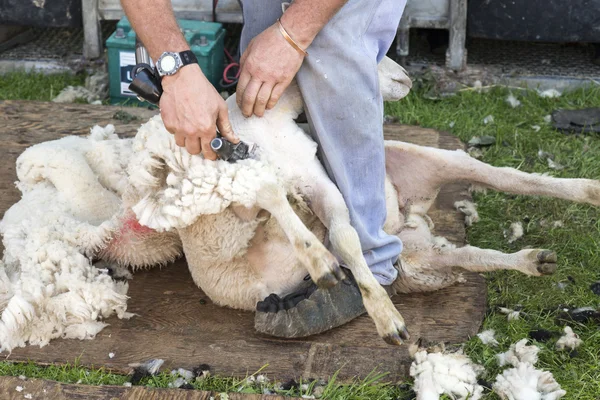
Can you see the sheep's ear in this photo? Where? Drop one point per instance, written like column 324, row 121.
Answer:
column 394, row 82
column 284, row 6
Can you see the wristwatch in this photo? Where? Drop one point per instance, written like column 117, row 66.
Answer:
column 169, row 63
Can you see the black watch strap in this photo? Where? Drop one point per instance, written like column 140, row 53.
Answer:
column 188, row 57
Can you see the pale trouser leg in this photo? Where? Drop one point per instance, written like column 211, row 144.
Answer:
column 340, row 86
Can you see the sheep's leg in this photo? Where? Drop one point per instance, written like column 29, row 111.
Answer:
column 327, row 202
column 320, row 263
column 430, row 168
column 533, row 262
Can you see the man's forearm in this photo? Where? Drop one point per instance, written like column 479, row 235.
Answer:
column 304, row 19
column 154, row 22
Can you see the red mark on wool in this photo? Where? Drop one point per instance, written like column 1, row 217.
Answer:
column 131, row 224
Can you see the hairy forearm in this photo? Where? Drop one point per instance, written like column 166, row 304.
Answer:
column 154, row 22
column 304, row 19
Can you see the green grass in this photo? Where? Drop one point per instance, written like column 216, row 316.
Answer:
column 576, row 243
column 517, row 144
column 25, row 86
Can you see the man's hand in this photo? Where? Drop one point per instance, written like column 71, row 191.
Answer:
column 192, row 110
column 268, row 66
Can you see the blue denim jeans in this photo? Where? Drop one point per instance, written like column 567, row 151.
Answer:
column 340, row 87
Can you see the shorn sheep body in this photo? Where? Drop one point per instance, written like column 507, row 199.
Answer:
column 247, row 229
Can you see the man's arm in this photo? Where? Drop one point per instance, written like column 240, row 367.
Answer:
column 270, row 63
column 190, row 106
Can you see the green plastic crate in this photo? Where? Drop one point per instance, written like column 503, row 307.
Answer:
column 206, row 40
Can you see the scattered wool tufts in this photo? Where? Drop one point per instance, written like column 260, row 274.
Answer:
column 28, row 396
column 554, row 165
column 71, row 94
column 318, row 391
column 475, row 152
column 146, row 369
column 96, row 88
column 177, row 383
column 111, row 355
column 519, row 353
column 185, row 374
column 202, row 371
column 536, row 128
column 488, row 337
column 549, row 157
column 19, row 389
column 488, row 120
column 549, row 94
column 453, row 374
column 262, row 379
column 514, row 232
column 513, row 101
column 511, row 315
column 547, row 119
column 570, row 340
column 469, row 209
column 525, row 382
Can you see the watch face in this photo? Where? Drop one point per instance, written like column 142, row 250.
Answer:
column 167, row 63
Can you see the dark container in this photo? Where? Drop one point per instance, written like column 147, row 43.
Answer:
column 41, row 13
column 535, row 20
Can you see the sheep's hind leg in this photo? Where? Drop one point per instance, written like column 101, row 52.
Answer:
column 320, row 263
column 329, row 205
column 344, row 239
column 436, row 167
column 533, row 262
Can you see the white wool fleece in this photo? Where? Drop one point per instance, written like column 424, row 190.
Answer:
column 48, row 287
column 175, row 188
column 453, row 374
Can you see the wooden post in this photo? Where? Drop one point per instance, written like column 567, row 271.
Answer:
column 456, row 55
column 403, row 36
column 92, row 36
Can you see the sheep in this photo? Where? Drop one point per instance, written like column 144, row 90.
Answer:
column 247, row 229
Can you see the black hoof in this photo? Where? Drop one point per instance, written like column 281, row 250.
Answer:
column 404, row 334
column 546, row 269
column 393, row 339
column 327, row 281
column 547, row 256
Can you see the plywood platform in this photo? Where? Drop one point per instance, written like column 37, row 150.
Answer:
column 178, row 323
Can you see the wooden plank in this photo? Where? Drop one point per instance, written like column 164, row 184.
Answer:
column 456, row 55
column 51, row 390
column 92, row 35
column 178, row 323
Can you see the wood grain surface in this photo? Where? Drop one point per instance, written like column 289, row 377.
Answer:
column 178, row 323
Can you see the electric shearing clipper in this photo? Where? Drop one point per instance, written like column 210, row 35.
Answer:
column 146, row 84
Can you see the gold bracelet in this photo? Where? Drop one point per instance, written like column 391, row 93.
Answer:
column 290, row 40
